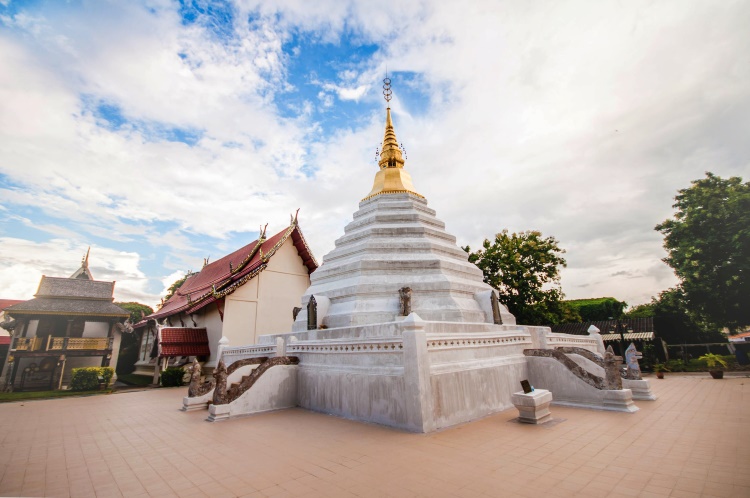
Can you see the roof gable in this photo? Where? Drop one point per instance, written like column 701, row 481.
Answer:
column 227, row 274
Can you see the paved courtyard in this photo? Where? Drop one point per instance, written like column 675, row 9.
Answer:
column 693, row 441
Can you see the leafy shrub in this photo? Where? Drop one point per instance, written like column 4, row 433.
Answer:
column 173, row 377
column 87, row 378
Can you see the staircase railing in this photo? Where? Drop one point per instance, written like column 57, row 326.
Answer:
column 611, row 380
column 223, row 396
column 583, row 352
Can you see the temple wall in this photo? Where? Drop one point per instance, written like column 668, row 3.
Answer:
column 211, row 320
column 31, row 328
column 473, row 375
column 264, row 305
column 95, row 329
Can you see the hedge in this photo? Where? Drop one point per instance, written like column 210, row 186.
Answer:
column 173, row 377
column 87, row 378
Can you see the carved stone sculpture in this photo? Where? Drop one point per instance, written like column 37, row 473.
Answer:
column 612, row 371
column 124, row 328
column 312, row 314
column 197, row 388
column 9, row 323
column 631, row 360
column 220, row 390
column 497, row 319
column 404, row 295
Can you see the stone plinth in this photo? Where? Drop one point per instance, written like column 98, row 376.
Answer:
column 533, row 407
column 641, row 389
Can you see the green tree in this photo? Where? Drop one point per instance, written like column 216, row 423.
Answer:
column 600, row 308
column 135, row 310
column 525, row 269
column 176, row 285
column 708, row 246
column 640, row 311
column 673, row 320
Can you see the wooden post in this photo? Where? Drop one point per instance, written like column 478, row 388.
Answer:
column 13, row 337
column 62, row 372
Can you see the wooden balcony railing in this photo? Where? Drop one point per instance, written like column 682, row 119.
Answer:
column 62, row 343
column 27, row 344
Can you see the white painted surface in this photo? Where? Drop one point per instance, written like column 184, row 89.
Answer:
column 274, row 390
column 396, row 241
column 533, row 407
column 95, row 329
column 567, row 389
column 641, row 389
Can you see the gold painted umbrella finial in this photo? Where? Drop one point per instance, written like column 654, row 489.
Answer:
column 392, row 177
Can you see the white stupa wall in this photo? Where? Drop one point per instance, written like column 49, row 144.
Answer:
column 396, row 241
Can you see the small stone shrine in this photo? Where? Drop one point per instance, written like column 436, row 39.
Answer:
column 398, row 328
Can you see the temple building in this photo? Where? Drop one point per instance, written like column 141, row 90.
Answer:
column 254, row 289
column 398, row 328
column 71, row 322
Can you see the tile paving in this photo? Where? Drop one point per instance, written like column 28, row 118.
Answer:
column 693, row 441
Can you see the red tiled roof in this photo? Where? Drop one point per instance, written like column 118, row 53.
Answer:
column 742, row 336
column 182, row 341
column 4, row 303
column 199, row 287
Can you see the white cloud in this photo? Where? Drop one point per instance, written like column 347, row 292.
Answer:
column 581, row 120
column 24, row 262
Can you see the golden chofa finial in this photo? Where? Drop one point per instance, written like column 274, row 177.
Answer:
column 392, row 177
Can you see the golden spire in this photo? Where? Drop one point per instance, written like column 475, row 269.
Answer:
column 392, row 177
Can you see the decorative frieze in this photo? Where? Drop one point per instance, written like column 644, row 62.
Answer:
column 369, row 347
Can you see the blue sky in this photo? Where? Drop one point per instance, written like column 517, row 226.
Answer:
column 162, row 132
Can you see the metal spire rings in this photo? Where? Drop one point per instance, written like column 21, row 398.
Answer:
column 387, row 92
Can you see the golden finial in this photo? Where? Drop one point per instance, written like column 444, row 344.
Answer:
column 392, row 178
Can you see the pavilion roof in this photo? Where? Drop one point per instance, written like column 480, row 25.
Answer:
column 56, row 287
column 70, row 296
column 67, row 306
column 4, row 303
column 227, row 274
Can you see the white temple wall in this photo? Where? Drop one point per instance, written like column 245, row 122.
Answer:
column 471, row 393
column 264, row 304
column 364, row 381
column 211, row 320
column 281, row 286
column 95, row 329
column 31, row 328
column 239, row 321
column 369, row 394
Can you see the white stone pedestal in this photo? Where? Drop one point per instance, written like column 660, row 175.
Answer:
column 533, row 408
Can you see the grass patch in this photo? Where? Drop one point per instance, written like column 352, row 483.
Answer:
column 135, row 380
column 31, row 395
